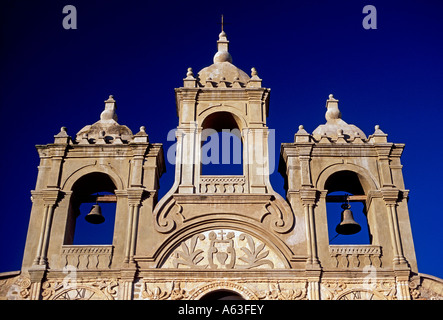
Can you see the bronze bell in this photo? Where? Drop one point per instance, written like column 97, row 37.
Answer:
column 95, row 215
column 347, row 226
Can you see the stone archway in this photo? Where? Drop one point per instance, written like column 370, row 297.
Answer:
column 223, row 289
column 222, row 294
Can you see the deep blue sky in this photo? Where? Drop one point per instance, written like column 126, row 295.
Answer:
column 139, row 51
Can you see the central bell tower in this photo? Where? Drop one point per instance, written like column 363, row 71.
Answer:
column 222, row 97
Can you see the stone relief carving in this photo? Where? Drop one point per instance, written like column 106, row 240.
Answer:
column 275, row 292
column 16, row 288
column 156, row 293
column 419, row 292
column 196, row 289
column 93, row 290
column 223, row 249
column 359, row 290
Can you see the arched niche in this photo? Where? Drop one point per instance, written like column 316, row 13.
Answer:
column 88, row 190
column 348, row 184
column 222, row 144
column 222, row 117
column 366, row 180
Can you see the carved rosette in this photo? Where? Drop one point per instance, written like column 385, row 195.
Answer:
column 223, row 249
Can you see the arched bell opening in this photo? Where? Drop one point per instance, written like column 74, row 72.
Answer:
column 92, row 211
column 346, row 209
column 222, row 294
column 221, row 145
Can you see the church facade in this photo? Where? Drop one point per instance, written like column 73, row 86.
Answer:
column 220, row 236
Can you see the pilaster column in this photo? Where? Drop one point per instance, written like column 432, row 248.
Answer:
column 50, row 199
column 187, row 161
column 36, row 274
column 402, row 280
column 137, row 169
column 134, row 199
column 384, row 151
column 390, row 197
column 257, row 159
column 57, row 153
column 308, row 198
column 127, row 277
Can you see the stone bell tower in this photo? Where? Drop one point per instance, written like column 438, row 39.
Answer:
column 104, row 163
column 338, row 156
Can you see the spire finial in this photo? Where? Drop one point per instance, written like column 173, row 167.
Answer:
column 333, row 113
column 222, row 54
column 222, row 23
column 109, row 115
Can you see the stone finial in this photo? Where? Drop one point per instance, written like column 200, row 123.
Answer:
column 255, row 81
column 378, row 136
column 63, row 132
column 222, row 54
column 62, row 136
column 109, row 115
column 107, row 124
column 302, row 135
column 141, row 136
column 190, row 74
column 333, row 113
column 334, row 122
column 189, row 81
column 378, row 130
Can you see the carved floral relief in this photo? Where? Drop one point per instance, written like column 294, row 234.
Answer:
column 223, row 249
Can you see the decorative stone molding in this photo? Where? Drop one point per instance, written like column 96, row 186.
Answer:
column 85, row 257
column 154, row 292
column 359, row 289
column 194, row 289
column 355, row 256
column 217, row 285
column 99, row 289
column 425, row 287
column 275, row 292
column 222, row 184
column 15, row 288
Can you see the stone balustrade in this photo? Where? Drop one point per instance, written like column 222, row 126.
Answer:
column 222, row 184
column 84, row 257
column 356, row 256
